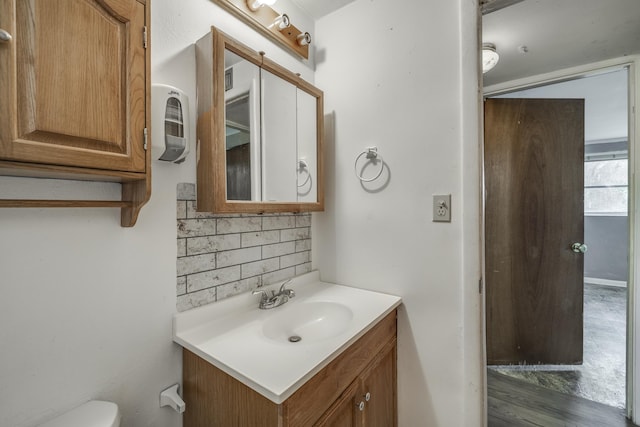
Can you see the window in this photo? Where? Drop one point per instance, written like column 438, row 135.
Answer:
column 606, row 187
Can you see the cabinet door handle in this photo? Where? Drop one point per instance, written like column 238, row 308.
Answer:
column 360, row 406
column 5, row 36
column 367, row 396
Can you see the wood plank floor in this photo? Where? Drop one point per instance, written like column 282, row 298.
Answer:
column 514, row 403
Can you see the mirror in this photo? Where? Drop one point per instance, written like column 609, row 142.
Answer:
column 259, row 132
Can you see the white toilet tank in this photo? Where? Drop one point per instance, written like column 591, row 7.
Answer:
column 95, row 413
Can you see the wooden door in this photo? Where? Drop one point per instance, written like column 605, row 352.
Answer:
column 73, row 83
column 534, row 212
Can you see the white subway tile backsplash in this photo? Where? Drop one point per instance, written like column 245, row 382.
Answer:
column 192, row 213
column 303, row 245
column 181, row 209
column 270, row 251
column 186, row 191
column 238, row 256
column 260, row 267
column 196, row 227
column 259, row 238
column 303, row 268
column 235, row 288
column 294, row 259
column 239, row 225
column 182, row 247
column 303, row 220
column 199, row 245
column 221, row 255
column 295, row 234
column 278, row 222
column 196, row 264
column 208, row 279
column 196, row 299
column 278, row 275
column 181, row 287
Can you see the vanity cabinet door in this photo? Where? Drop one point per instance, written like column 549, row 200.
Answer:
column 379, row 387
column 370, row 401
column 73, row 83
column 346, row 411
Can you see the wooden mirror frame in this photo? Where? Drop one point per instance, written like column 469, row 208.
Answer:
column 211, row 149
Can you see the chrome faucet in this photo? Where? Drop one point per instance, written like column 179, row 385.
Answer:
column 276, row 299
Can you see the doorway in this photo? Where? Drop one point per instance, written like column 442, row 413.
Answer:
column 601, row 376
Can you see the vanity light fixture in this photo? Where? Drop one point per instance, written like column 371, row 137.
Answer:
column 276, row 26
column 489, row 57
column 257, row 4
column 281, row 22
column 304, row 39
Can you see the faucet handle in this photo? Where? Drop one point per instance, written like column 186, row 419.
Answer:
column 264, row 296
column 282, row 287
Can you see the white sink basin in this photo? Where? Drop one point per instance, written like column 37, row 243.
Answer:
column 308, row 321
column 253, row 346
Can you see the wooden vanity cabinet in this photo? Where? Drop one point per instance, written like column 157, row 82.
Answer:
column 334, row 397
column 370, row 400
column 74, row 78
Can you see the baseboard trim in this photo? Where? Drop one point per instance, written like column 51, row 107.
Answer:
column 605, row 282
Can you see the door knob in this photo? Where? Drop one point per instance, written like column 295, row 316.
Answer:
column 5, row 36
column 579, row 248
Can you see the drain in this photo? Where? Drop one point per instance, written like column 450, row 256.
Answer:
column 295, row 338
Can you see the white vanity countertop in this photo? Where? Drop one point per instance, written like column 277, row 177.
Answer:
column 229, row 334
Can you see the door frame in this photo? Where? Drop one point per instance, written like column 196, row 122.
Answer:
column 633, row 301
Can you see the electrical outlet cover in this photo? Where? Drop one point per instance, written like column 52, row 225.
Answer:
column 442, row 208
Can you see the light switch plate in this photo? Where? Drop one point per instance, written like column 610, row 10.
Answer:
column 442, row 208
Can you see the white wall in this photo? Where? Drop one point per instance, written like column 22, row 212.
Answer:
column 86, row 305
column 403, row 76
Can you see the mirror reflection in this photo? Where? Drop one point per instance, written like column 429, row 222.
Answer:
column 242, row 122
column 271, row 135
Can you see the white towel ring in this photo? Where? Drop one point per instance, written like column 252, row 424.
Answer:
column 302, row 165
column 372, row 154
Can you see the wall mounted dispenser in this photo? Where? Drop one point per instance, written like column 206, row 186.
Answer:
column 170, row 117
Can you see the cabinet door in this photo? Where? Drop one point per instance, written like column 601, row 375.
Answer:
column 278, row 139
column 346, row 411
column 73, row 83
column 380, row 384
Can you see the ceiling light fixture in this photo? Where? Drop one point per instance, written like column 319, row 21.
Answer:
column 257, row 4
column 489, row 57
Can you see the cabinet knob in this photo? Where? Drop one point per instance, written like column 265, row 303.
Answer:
column 5, row 36
column 360, row 406
column 367, row 396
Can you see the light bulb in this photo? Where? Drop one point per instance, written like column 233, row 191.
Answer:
column 304, row 39
column 489, row 57
column 281, row 22
column 257, row 4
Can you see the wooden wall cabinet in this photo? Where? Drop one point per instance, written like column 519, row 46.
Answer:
column 74, row 78
column 284, row 124
column 357, row 389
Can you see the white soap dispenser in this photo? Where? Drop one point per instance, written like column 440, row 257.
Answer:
column 170, row 123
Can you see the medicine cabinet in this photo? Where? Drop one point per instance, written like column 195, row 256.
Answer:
column 260, row 132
